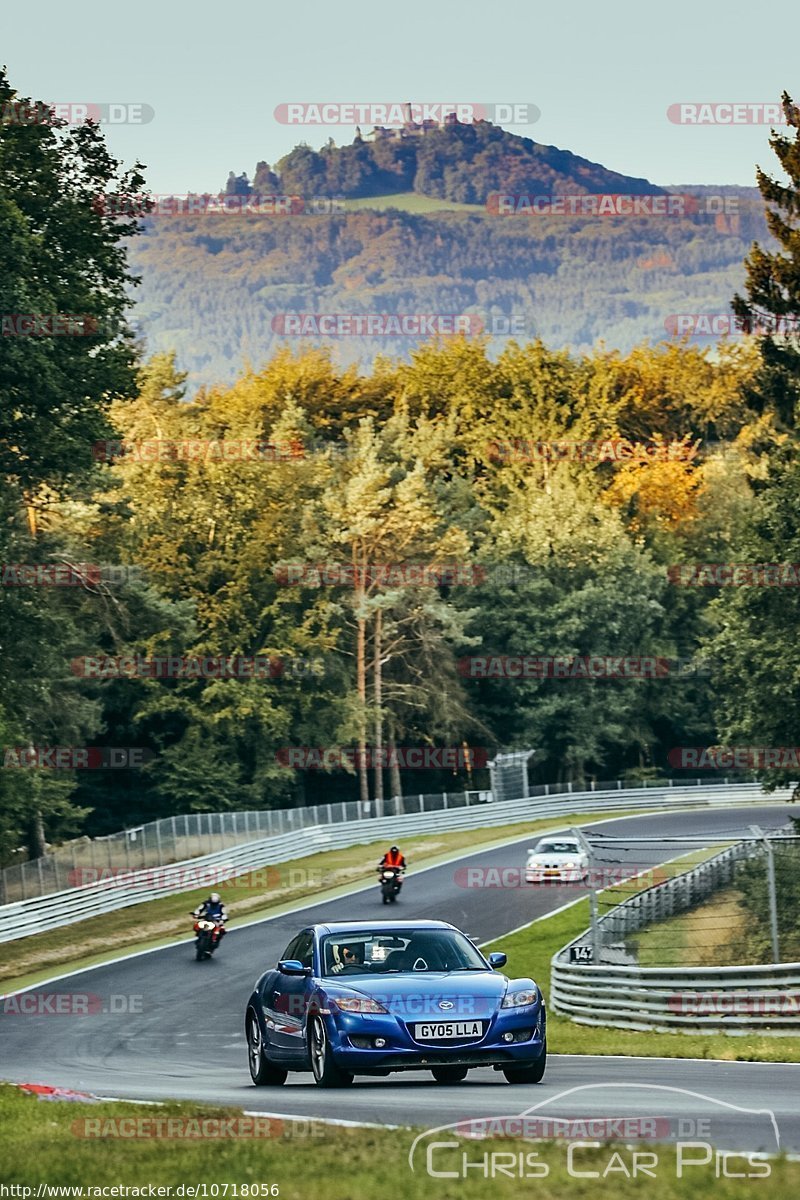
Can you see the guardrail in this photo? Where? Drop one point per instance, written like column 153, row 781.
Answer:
column 36, row 915
column 677, row 999
column 190, row 835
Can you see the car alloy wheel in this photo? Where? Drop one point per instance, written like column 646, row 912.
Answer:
column 262, row 1071
column 325, row 1071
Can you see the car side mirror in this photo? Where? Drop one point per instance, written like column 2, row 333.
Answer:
column 497, row 959
column 292, row 966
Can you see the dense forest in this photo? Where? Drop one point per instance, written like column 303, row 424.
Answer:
column 217, row 286
column 370, row 533
column 216, row 289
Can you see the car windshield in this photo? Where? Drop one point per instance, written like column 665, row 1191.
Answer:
column 366, row 952
column 557, row 848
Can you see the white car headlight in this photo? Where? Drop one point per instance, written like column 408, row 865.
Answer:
column 358, row 1004
column 521, row 998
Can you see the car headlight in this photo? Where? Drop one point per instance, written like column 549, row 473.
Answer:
column 569, row 865
column 521, row 998
column 358, row 1004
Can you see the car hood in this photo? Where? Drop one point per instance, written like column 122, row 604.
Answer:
column 554, row 860
column 440, row 994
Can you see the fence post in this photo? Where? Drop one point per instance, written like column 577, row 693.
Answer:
column 158, row 844
column 595, row 926
column 773, row 900
column 444, row 798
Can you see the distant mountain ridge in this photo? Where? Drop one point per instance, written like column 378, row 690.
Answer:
column 219, row 289
column 462, row 163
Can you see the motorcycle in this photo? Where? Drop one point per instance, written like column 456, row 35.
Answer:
column 391, row 880
column 209, row 935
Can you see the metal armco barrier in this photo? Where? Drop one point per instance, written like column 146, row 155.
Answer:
column 675, row 999
column 25, row 917
column 191, row 835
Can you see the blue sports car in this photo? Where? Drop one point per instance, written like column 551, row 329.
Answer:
column 368, row 999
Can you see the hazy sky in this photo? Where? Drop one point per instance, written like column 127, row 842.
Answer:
column 602, row 74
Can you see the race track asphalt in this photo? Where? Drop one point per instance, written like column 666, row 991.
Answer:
column 164, row 1026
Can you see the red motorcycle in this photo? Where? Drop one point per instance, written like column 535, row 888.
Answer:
column 210, row 933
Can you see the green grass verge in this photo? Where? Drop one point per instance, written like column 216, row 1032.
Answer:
column 46, row 1143
column 529, row 953
column 266, row 892
column 709, row 935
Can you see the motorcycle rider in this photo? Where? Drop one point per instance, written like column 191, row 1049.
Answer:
column 394, row 860
column 214, row 910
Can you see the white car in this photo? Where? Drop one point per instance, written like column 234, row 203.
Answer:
column 556, row 859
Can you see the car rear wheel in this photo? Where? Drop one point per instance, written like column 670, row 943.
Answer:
column 532, row 1073
column 262, row 1072
column 325, row 1071
column 449, row 1074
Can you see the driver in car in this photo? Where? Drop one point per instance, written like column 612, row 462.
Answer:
column 350, row 960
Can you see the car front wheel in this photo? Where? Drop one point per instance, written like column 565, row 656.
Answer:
column 449, row 1074
column 325, row 1071
column 531, row 1073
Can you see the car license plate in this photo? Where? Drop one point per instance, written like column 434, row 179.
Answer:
column 441, row 1031
column 548, row 872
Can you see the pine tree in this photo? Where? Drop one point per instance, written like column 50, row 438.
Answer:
column 773, row 283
